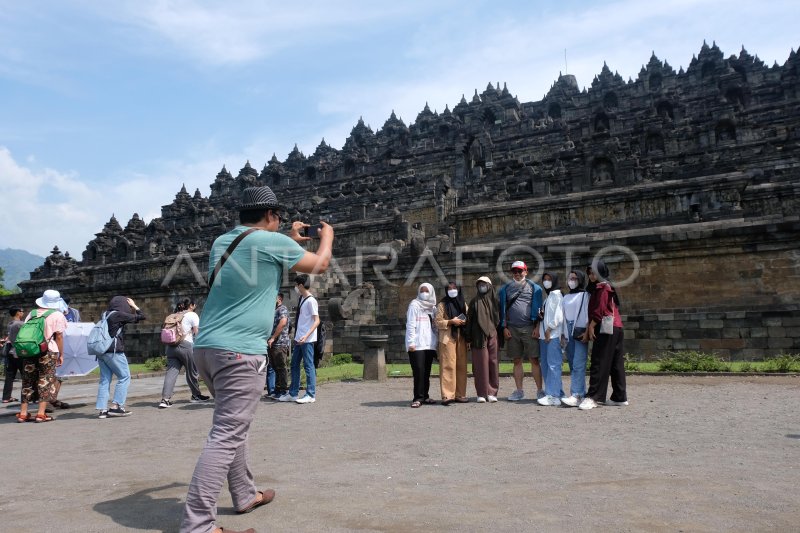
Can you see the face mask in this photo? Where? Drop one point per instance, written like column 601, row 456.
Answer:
column 483, row 289
column 424, row 296
column 547, row 284
column 573, row 284
column 452, row 293
column 297, row 289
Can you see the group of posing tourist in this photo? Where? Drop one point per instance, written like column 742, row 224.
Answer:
column 540, row 323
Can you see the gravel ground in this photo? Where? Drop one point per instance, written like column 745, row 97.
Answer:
column 688, row 454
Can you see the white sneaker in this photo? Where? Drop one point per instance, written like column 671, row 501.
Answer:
column 617, row 404
column 571, row 401
column 587, row 404
column 306, row 399
column 165, row 403
column 481, row 399
column 517, row 395
column 287, row 398
column 549, row 400
column 491, row 398
column 540, row 394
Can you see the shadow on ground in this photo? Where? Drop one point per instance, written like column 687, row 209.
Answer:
column 141, row 510
column 387, row 404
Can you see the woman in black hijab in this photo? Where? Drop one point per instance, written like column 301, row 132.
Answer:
column 121, row 311
column 450, row 320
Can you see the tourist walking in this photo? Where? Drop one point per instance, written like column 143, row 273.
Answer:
column 306, row 325
column 13, row 363
column 39, row 372
column 278, row 344
column 483, row 318
column 605, row 329
column 180, row 356
column 114, row 362
column 550, row 333
column 421, row 341
column 451, row 316
column 576, row 320
column 520, row 301
column 231, row 348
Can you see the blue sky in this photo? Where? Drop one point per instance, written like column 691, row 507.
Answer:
column 108, row 107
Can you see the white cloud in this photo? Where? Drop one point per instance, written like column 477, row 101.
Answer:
column 45, row 207
column 236, row 33
column 49, row 207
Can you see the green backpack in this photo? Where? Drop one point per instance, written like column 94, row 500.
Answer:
column 30, row 341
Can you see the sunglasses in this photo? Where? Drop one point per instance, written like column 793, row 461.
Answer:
column 517, row 271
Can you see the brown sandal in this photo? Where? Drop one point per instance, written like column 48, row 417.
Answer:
column 266, row 497
column 27, row 418
column 43, row 418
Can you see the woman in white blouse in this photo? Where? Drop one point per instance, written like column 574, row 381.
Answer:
column 576, row 318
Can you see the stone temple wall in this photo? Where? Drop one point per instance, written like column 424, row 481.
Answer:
column 690, row 177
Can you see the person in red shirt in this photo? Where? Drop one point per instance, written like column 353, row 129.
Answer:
column 608, row 354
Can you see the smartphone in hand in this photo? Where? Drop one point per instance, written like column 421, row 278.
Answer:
column 312, row 231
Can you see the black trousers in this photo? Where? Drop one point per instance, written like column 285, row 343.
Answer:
column 421, row 361
column 13, row 365
column 608, row 360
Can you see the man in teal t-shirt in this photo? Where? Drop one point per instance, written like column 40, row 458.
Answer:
column 230, row 351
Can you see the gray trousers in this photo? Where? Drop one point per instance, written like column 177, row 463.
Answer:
column 236, row 381
column 177, row 357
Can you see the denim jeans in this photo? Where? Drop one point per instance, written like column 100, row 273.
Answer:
column 577, row 354
column 551, row 360
column 116, row 364
column 270, row 379
column 543, row 361
column 304, row 352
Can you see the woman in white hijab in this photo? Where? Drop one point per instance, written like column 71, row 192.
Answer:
column 421, row 341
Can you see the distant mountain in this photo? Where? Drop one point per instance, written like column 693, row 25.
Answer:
column 18, row 265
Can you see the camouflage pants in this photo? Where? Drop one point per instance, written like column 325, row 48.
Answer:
column 39, row 374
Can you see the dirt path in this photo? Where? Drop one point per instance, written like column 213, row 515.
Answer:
column 688, row 454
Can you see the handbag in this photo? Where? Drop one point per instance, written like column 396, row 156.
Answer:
column 577, row 333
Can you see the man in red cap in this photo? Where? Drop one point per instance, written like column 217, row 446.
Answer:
column 520, row 301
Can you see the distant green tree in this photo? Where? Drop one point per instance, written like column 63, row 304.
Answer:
column 3, row 290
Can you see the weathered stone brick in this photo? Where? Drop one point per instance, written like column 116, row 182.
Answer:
column 780, row 342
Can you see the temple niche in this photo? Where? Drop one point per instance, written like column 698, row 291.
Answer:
column 654, row 143
column 602, row 172
column 725, row 131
